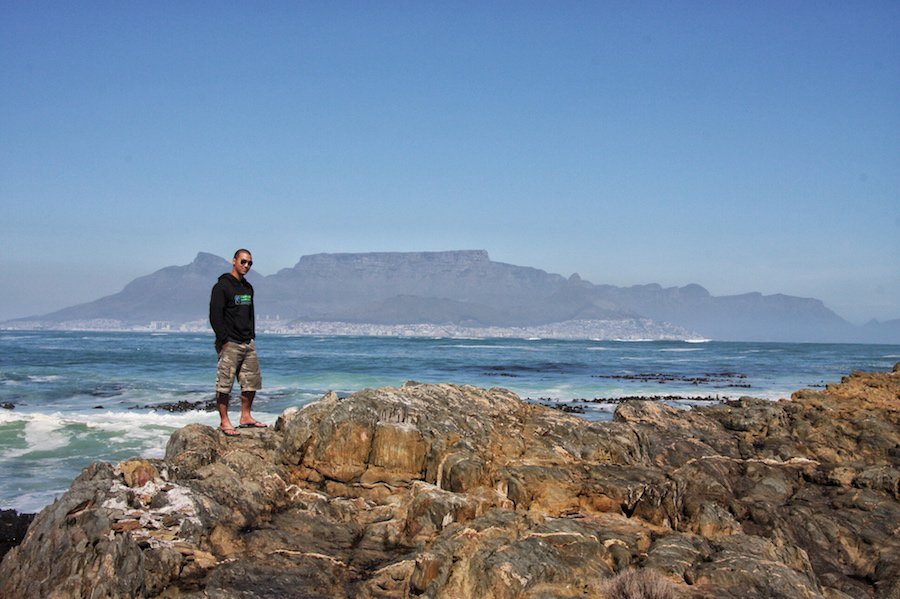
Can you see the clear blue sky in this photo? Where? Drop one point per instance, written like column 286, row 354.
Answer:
column 744, row 146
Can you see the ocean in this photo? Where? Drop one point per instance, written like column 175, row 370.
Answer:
column 72, row 398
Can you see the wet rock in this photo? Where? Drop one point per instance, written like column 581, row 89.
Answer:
column 12, row 529
column 181, row 406
column 717, row 379
column 675, row 398
column 448, row 491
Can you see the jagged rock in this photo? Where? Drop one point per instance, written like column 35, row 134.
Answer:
column 138, row 473
column 448, row 491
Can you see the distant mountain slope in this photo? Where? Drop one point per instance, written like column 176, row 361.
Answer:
column 746, row 317
column 174, row 293
column 467, row 288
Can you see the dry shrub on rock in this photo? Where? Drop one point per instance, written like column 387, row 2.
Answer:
column 638, row 584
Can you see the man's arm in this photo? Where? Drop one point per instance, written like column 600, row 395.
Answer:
column 217, row 312
column 253, row 317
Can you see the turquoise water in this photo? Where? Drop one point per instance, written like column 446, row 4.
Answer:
column 83, row 397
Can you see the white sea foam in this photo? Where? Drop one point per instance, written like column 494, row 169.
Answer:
column 42, row 433
column 47, row 450
column 142, row 433
column 601, row 406
column 44, row 379
column 555, row 393
column 29, row 503
column 486, row 346
column 142, row 425
column 680, row 349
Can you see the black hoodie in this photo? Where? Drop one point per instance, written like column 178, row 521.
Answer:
column 231, row 311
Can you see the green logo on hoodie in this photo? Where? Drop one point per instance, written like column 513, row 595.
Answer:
column 243, row 299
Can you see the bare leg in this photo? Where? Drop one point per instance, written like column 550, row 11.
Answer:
column 222, row 400
column 246, row 403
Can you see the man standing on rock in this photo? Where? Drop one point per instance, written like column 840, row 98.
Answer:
column 232, row 318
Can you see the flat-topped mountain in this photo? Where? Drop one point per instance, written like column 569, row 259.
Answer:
column 462, row 287
column 468, row 289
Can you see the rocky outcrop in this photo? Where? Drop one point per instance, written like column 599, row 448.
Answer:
column 448, row 491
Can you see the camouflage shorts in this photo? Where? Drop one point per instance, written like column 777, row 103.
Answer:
column 238, row 361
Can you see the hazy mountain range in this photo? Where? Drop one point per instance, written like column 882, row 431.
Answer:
column 467, row 288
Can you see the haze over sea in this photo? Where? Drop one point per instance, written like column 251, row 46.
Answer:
column 83, row 397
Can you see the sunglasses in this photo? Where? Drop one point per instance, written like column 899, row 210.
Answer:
column 246, row 262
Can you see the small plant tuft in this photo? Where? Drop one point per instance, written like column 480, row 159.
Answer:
column 639, row 584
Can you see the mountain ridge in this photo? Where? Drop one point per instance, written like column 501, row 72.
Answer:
column 467, row 288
